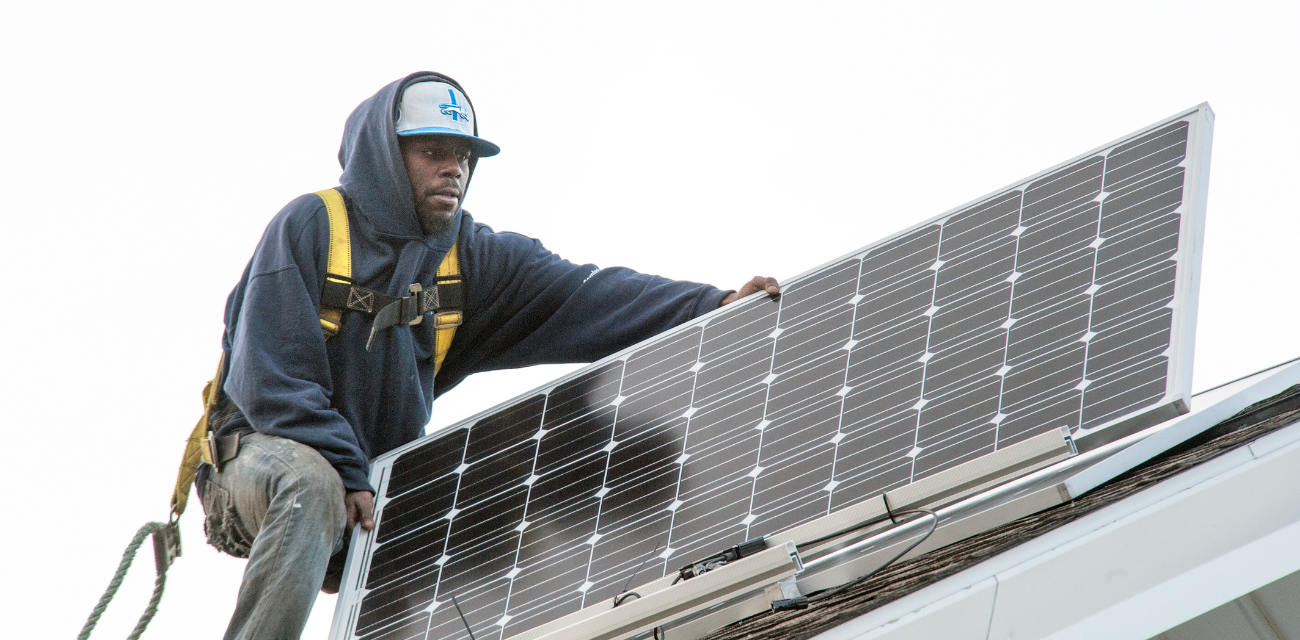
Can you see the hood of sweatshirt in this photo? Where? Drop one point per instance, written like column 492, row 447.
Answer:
column 374, row 175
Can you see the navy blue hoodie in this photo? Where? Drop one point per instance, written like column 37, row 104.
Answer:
column 524, row 306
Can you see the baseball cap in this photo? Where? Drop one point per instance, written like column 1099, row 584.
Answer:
column 439, row 108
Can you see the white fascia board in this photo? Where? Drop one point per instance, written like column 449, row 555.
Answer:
column 1194, row 592
column 1088, row 578
column 963, row 615
column 1130, row 551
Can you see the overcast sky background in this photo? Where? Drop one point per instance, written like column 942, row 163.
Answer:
column 144, row 147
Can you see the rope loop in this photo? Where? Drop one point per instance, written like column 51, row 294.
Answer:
column 127, row 557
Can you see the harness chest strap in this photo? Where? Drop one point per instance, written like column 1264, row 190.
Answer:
column 445, row 298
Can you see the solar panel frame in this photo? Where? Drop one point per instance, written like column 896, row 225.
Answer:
column 1187, row 261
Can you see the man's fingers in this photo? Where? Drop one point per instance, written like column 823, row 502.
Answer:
column 366, row 507
column 354, row 512
column 760, row 283
column 755, row 285
column 361, row 508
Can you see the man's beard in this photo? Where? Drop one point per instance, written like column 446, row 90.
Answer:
column 433, row 223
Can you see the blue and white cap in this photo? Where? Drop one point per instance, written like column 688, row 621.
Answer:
column 439, row 108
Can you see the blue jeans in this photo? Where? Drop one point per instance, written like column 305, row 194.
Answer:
column 279, row 504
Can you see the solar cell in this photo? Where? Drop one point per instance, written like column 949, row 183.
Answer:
column 1065, row 300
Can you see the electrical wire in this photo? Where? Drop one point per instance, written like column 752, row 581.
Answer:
column 625, row 594
column 842, row 532
column 462, row 617
column 859, row 580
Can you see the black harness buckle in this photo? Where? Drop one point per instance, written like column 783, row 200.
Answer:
column 223, row 449
column 413, row 305
column 443, row 299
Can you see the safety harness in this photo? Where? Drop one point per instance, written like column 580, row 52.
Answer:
column 444, row 299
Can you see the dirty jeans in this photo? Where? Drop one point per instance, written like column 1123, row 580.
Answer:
column 280, row 504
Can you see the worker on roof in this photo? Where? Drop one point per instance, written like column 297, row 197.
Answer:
column 301, row 413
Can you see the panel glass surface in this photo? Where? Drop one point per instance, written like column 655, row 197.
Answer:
column 1046, row 305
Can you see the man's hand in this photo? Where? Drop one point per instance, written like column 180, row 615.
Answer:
column 758, row 283
column 361, row 509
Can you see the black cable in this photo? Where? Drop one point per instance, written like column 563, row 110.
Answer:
column 1220, row 386
column 934, row 525
column 841, row 532
column 625, row 594
column 462, row 617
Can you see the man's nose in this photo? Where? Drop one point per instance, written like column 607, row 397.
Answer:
column 449, row 167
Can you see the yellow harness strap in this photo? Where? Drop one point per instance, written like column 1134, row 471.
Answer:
column 447, row 321
column 338, row 263
column 196, row 449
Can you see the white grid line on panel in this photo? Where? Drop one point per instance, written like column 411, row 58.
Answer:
column 916, row 440
column 848, row 364
column 1011, row 296
column 758, row 449
column 460, row 477
column 528, row 499
column 1092, row 298
column 686, row 439
column 600, row 508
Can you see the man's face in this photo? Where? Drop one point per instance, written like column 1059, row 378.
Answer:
column 438, row 167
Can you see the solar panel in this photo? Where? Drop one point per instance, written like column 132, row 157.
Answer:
column 1068, row 299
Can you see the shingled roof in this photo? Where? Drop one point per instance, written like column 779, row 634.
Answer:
column 909, row 576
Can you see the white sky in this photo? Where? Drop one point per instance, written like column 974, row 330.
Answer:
column 143, row 147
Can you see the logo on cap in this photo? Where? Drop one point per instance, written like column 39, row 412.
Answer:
column 453, row 109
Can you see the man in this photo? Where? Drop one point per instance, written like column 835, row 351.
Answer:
column 312, row 411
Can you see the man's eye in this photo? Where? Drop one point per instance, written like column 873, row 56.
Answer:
column 461, row 156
